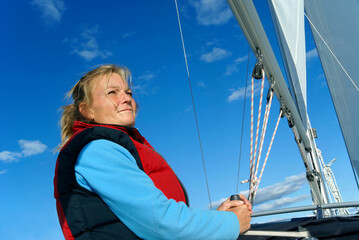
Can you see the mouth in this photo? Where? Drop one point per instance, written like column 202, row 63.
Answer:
column 126, row 110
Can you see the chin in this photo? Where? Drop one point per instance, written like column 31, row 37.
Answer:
column 128, row 124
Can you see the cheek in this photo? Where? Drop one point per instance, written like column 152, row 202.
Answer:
column 134, row 106
column 103, row 106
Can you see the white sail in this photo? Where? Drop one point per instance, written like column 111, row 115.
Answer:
column 288, row 18
column 336, row 33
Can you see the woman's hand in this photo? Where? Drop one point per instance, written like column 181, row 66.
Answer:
column 226, row 205
column 245, row 200
column 244, row 217
column 243, row 210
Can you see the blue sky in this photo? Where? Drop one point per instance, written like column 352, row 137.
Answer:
column 48, row 45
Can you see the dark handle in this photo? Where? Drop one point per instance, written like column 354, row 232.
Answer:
column 235, row 197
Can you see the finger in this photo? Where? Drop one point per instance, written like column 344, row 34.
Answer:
column 224, row 205
column 235, row 203
column 243, row 198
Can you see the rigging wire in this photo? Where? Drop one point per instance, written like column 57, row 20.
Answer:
column 244, row 110
column 193, row 104
column 330, row 50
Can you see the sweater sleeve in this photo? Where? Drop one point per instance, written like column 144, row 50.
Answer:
column 110, row 171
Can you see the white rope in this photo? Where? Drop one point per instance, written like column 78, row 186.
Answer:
column 251, row 153
column 330, row 50
column 254, row 181
column 264, row 129
column 268, row 151
column 253, row 158
column 259, row 117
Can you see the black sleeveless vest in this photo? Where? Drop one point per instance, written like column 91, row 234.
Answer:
column 82, row 214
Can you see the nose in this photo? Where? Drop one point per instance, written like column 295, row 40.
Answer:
column 126, row 98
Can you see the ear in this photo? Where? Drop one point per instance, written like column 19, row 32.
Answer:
column 86, row 111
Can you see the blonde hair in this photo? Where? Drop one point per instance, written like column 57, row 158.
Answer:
column 82, row 93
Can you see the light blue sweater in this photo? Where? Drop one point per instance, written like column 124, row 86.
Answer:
column 110, row 171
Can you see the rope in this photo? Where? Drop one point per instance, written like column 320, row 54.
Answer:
column 254, row 181
column 253, row 158
column 244, row 110
column 259, row 116
column 251, row 147
column 264, row 129
column 194, row 108
column 268, row 151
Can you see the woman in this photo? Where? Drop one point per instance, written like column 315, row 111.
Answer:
column 111, row 184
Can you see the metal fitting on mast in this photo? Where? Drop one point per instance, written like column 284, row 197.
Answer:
column 271, row 87
column 287, row 113
column 258, row 67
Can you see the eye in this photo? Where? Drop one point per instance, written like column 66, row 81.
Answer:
column 111, row 92
column 129, row 93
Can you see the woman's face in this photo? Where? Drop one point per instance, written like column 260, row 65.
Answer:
column 113, row 104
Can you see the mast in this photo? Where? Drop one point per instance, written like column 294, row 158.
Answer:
column 248, row 19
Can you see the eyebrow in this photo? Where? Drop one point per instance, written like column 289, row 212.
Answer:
column 118, row 87
column 114, row 86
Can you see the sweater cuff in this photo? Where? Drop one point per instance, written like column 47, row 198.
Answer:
column 234, row 225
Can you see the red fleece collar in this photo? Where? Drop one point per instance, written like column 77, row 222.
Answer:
column 133, row 132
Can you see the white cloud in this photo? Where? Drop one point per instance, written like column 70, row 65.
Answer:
column 88, row 47
column 28, row 148
column 146, row 76
column 276, row 192
column 211, row 12
column 239, row 93
column 201, row 84
column 280, row 203
column 189, row 109
column 241, row 59
column 3, row 171
column 128, row 34
column 233, row 67
column 215, row 55
column 312, row 54
column 51, row 10
column 7, row 156
column 216, row 204
column 142, row 84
